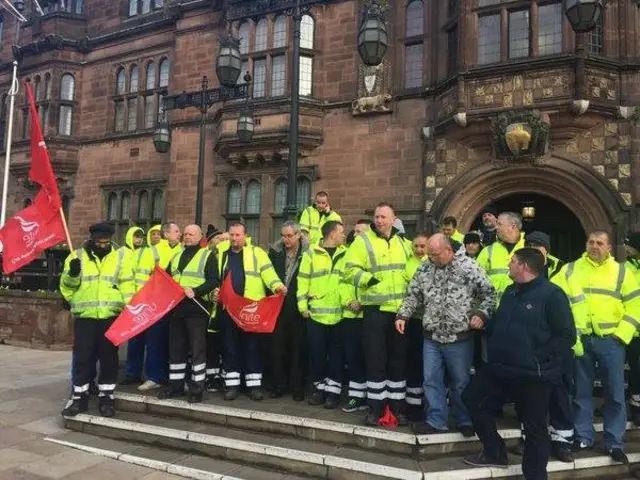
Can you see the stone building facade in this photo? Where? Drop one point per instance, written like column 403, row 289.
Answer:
column 421, row 130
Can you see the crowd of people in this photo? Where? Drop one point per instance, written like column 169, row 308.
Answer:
column 408, row 326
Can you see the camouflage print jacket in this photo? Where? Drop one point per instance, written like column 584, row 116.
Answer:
column 449, row 297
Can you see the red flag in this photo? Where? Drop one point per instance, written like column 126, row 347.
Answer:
column 29, row 232
column 158, row 297
column 250, row 315
column 41, row 171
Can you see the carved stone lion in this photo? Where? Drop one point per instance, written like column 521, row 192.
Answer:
column 377, row 103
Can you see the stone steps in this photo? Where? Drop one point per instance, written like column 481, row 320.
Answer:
column 312, row 447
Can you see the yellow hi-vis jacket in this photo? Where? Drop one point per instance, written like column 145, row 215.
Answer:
column 412, row 266
column 103, row 287
column 494, row 260
column 605, row 298
column 372, row 256
column 311, row 220
column 130, row 251
column 457, row 236
column 152, row 255
column 193, row 274
column 258, row 271
column 319, row 279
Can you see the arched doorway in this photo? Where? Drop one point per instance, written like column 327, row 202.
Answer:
column 575, row 185
column 549, row 216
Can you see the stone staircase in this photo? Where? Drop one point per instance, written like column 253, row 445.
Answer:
column 281, row 439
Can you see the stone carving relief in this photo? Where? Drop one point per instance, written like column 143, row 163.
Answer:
column 374, row 89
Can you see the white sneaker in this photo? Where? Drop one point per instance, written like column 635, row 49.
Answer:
column 148, row 385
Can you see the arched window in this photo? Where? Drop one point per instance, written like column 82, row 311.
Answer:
column 280, row 32
column 307, row 30
column 145, row 6
column 133, row 7
column 303, row 193
column 37, row 88
column 280, row 200
column 414, row 19
column 252, row 210
column 151, row 76
column 164, row 72
column 67, row 93
column 243, row 34
column 143, row 206
column 156, row 205
column 112, row 206
column 47, row 86
column 125, row 206
column 234, row 198
column 134, row 80
column 121, row 81
column 262, row 28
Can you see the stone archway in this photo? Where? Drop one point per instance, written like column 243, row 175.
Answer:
column 596, row 204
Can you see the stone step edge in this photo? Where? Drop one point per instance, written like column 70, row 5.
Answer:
column 179, row 470
column 341, row 462
column 251, row 447
column 347, row 428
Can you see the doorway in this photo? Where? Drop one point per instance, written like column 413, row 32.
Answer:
column 549, row 216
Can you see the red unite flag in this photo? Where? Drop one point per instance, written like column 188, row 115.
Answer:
column 39, row 226
column 158, row 297
column 250, row 315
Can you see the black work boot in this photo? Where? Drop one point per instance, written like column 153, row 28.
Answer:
column 75, row 406
column 107, row 407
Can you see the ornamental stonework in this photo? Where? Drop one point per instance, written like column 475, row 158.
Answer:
column 602, row 85
column 519, row 90
column 446, row 103
column 606, row 149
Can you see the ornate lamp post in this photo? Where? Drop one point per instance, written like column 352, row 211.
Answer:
column 583, row 15
column 372, row 45
column 228, row 66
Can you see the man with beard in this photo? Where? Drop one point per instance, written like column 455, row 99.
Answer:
column 97, row 281
column 489, row 224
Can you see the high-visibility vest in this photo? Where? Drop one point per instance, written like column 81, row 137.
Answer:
column 605, row 298
column 412, row 266
column 319, row 280
column 311, row 220
column 193, row 274
column 129, row 250
column 457, row 236
column 494, row 260
column 258, row 271
column 148, row 257
column 92, row 294
column 371, row 256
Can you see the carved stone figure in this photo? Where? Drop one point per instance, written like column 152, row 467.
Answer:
column 377, row 103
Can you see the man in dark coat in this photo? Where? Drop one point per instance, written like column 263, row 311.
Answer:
column 285, row 346
column 526, row 340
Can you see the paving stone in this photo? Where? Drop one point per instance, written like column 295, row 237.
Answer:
column 161, row 476
column 12, row 457
column 19, row 474
column 110, row 470
column 42, row 447
column 13, row 436
column 47, row 426
column 66, row 463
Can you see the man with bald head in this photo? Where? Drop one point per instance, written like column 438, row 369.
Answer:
column 455, row 297
column 195, row 270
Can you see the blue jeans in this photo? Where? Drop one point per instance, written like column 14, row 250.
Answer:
column 456, row 358
column 610, row 355
column 156, row 342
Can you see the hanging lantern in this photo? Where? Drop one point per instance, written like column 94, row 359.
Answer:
column 229, row 62
column 245, row 126
column 372, row 37
column 162, row 137
column 583, row 15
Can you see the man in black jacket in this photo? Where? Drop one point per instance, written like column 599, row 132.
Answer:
column 526, row 340
column 285, row 346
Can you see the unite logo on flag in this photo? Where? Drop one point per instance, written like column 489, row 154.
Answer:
column 30, row 231
column 249, row 314
column 142, row 312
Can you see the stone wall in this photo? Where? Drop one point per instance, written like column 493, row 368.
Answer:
column 34, row 319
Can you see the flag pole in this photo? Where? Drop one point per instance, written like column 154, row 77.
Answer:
column 201, row 306
column 66, row 229
column 13, row 91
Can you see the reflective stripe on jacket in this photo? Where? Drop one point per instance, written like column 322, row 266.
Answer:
column 605, row 298
column 193, row 274
column 312, row 221
column 148, row 257
column 371, row 256
column 103, row 287
column 495, row 261
column 319, row 280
